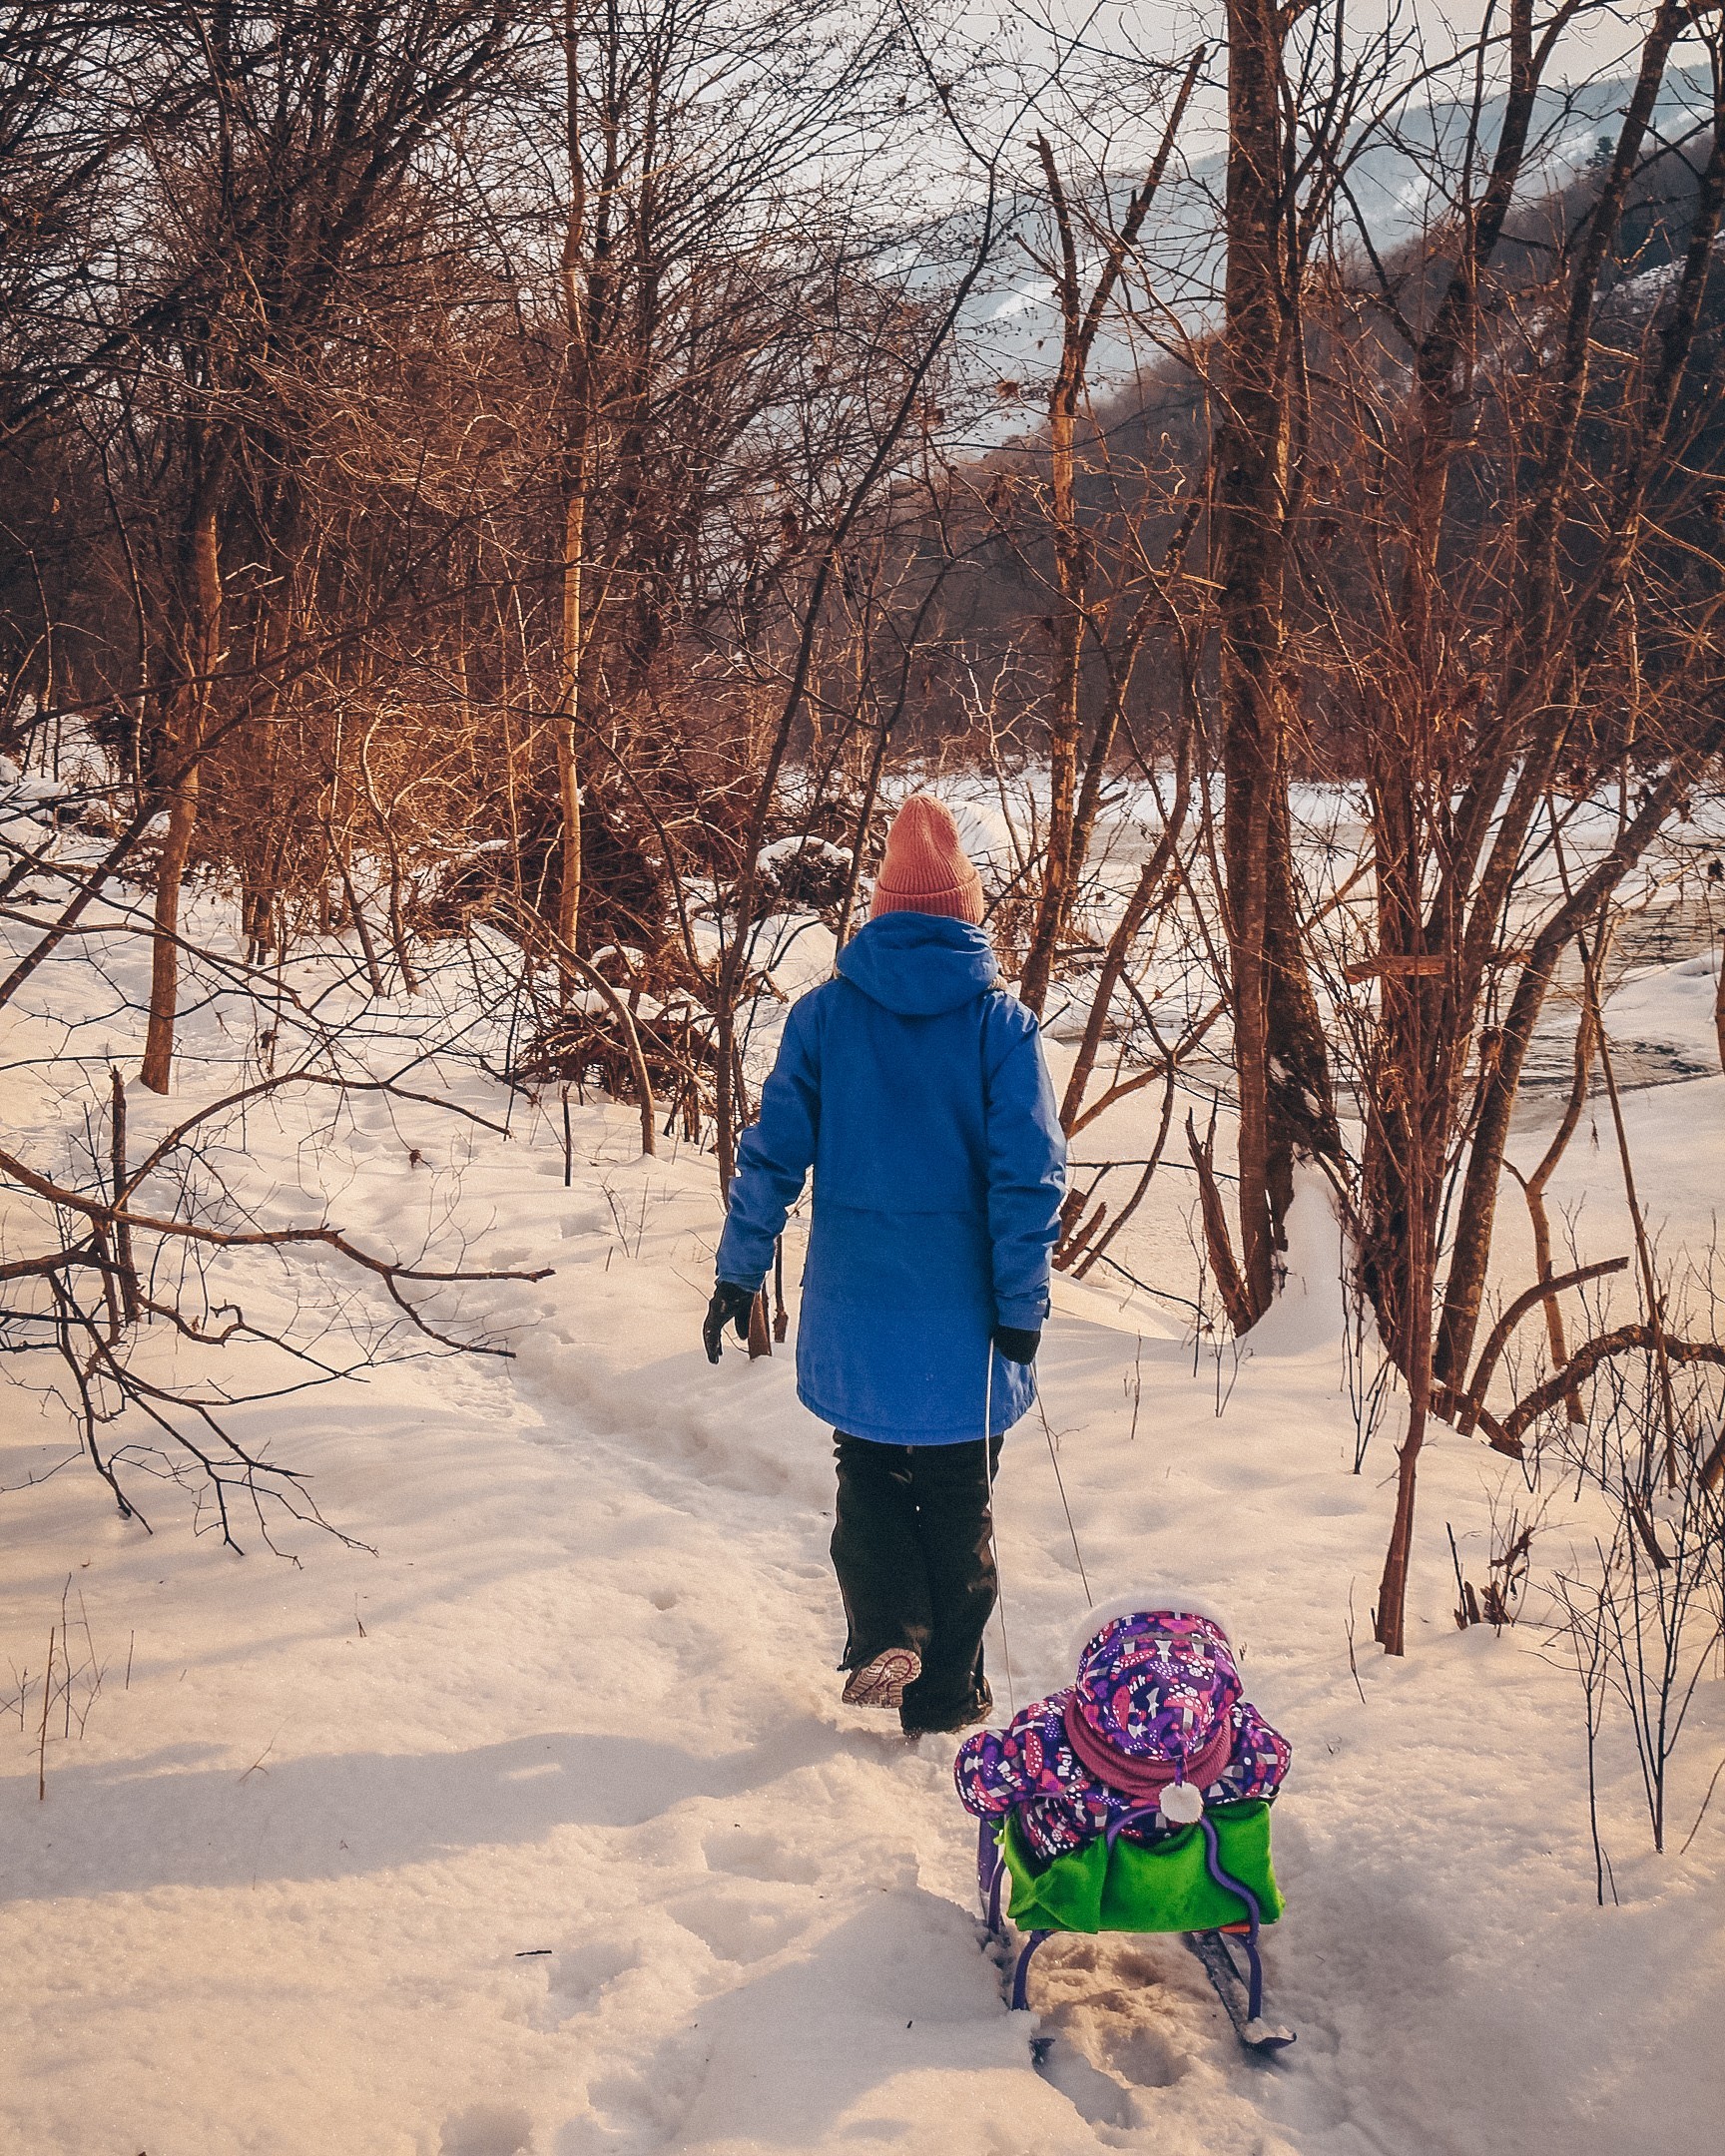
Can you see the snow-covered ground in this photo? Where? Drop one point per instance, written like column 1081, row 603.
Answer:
column 564, row 1844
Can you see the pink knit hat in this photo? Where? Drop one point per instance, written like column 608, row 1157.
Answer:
column 926, row 868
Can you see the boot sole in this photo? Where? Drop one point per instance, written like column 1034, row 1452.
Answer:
column 881, row 1680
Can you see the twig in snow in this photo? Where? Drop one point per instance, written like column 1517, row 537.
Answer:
column 1705, row 1801
column 1352, row 1660
column 1060, row 1484
column 42, row 1739
column 257, row 1766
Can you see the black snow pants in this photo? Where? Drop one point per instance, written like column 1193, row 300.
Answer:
column 912, row 1545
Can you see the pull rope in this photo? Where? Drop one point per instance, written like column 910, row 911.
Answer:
column 993, row 1545
column 1060, row 1484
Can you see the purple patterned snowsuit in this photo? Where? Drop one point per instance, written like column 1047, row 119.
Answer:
column 1156, row 1684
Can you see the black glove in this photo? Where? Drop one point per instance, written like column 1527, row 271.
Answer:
column 1018, row 1344
column 730, row 1305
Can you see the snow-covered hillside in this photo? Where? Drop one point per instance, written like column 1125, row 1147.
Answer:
column 1399, row 183
column 538, row 1826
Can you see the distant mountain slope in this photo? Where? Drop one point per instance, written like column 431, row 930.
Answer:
column 1399, row 183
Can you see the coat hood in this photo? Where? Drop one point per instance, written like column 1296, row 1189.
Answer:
column 1138, row 1602
column 1157, row 1683
column 918, row 964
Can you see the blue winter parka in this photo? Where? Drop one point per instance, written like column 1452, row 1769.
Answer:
column 917, row 1090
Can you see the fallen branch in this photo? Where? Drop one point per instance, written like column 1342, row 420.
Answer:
column 1468, row 1407
column 105, row 1214
column 1625, row 1339
column 1223, row 1264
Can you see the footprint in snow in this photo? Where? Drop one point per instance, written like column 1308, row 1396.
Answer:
column 580, row 1977
column 638, row 2108
column 758, row 1857
column 487, row 2129
column 1109, row 2031
column 1143, row 2056
column 1099, row 2098
column 739, row 1927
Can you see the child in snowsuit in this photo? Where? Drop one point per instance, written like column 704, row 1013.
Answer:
column 1155, row 1716
column 915, row 1087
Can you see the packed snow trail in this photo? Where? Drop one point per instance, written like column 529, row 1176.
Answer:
column 571, row 1847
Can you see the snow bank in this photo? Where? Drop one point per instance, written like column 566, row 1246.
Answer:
column 1309, row 1314
column 542, row 1830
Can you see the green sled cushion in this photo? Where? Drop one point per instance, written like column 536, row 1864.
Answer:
column 1131, row 1887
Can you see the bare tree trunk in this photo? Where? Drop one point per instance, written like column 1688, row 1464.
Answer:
column 1059, row 870
column 385, row 820
column 127, row 1263
column 1157, row 872
column 1424, row 1136
column 568, row 774
column 202, row 648
column 1534, row 1188
column 1719, row 1010
column 1288, row 1113
column 1389, row 1620
column 582, row 305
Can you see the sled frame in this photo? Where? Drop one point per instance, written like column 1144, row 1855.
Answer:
column 1213, row 1949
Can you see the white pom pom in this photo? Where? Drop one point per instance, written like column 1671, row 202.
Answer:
column 1181, row 1804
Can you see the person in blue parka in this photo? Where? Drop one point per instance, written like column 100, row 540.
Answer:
column 915, row 1087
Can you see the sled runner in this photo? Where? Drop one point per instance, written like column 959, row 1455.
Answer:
column 1211, row 1882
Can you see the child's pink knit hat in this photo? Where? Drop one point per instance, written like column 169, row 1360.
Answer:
column 926, row 868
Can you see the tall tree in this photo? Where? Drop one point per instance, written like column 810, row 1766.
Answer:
column 314, row 119
column 1281, row 1065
